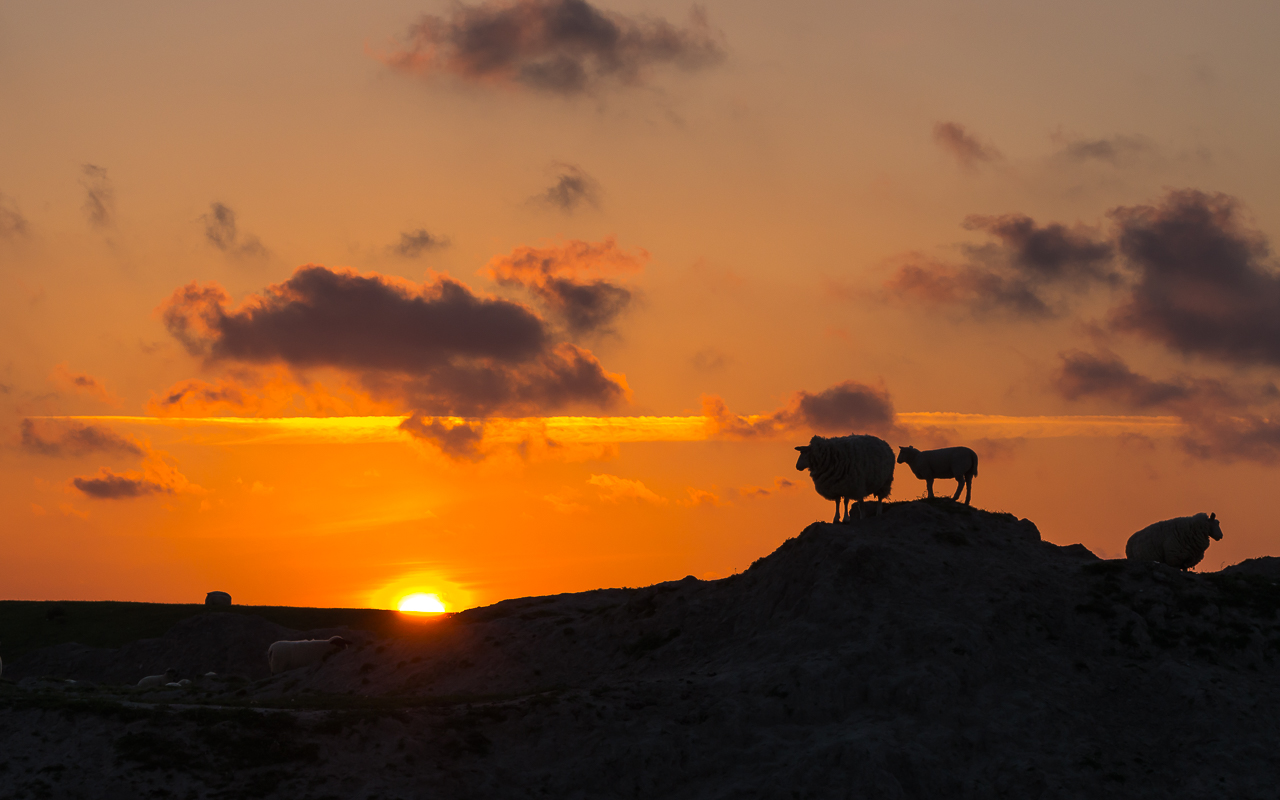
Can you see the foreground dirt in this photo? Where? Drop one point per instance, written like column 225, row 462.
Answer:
column 935, row 651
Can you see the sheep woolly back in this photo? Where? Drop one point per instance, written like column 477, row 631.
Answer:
column 1179, row 542
column 852, row 466
column 287, row 655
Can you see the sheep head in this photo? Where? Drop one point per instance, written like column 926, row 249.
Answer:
column 905, row 452
column 1215, row 531
column 802, row 463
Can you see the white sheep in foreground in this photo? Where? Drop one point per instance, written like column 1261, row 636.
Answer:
column 960, row 463
column 849, row 468
column 1179, row 542
column 153, row 681
column 286, row 655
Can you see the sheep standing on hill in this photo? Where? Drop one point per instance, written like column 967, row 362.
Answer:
column 849, row 468
column 155, row 681
column 286, row 655
column 960, row 463
column 1179, row 542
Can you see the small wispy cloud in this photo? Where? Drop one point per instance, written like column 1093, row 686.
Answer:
column 100, row 197
column 221, row 231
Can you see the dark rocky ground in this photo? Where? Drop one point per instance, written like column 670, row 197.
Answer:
column 932, row 652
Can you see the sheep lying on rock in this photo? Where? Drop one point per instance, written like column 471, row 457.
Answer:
column 960, row 463
column 154, row 681
column 1179, row 542
column 288, row 655
column 849, row 468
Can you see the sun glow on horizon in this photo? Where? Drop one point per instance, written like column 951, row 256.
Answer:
column 421, row 603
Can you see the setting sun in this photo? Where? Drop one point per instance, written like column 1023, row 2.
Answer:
column 420, row 603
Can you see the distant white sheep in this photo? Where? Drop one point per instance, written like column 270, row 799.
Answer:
column 154, row 681
column 849, row 468
column 286, row 655
column 960, row 463
column 1179, row 542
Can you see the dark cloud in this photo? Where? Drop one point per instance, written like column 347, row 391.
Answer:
column 1106, row 375
column 1115, row 150
column 709, row 359
column 221, row 232
column 560, row 46
column 415, row 243
column 100, row 198
column 555, row 275
column 62, row 439
column 978, row 289
column 1049, row 253
column 1204, row 283
column 199, row 393
column 573, row 188
column 460, row 441
column 108, row 485
column 1026, row 273
column 848, row 407
column 12, row 223
column 436, row 346
column 322, row 317
column 964, row 146
column 1224, row 422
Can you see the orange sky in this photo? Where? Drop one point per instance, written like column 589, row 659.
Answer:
column 327, row 303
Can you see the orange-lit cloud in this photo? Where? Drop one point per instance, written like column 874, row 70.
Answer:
column 613, row 489
column 157, row 476
column 60, row 438
column 779, row 485
column 268, row 391
column 559, row 46
column 701, row 497
column 568, row 280
column 84, row 384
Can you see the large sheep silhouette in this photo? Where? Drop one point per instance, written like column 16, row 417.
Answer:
column 1179, row 542
column 849, row 468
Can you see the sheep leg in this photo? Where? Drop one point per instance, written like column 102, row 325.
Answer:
column 968, row 488
column 837, row 519
column 959, row 486
column 928, row 482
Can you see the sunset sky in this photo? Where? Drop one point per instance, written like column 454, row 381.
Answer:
column 330, row 303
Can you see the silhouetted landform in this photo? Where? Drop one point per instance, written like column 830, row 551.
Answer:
column 934, row 651
column 26, row 625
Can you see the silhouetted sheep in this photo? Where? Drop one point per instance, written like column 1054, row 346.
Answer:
column 960, row 463
column 286, row 655
column 1179, row 542
column 849, row 468
column 156, row 681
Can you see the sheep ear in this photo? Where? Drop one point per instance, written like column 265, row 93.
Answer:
column 1214, row 515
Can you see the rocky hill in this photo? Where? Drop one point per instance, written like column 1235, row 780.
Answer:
column 933, row 651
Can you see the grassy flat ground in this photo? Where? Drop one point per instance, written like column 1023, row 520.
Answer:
column 27, row 625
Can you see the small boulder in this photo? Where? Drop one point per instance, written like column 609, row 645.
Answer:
column 217, row 599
